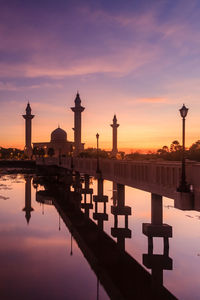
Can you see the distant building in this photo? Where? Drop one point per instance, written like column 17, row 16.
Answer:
column 58, row 143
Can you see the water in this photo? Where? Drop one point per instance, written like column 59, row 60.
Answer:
column 41, row 260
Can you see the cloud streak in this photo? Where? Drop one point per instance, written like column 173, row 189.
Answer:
column 152, row 100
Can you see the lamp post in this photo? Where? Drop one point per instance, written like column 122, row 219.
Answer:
column 183, row 187
column 98, row 169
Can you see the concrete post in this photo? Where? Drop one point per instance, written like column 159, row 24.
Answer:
column 156, row 210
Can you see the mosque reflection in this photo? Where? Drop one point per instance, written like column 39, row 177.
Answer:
column 119, row 273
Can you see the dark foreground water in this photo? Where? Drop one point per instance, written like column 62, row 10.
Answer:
column 40, row 259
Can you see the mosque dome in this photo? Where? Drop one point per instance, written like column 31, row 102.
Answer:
column 58, row 135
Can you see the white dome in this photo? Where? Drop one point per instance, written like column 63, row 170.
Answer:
column 58, row 135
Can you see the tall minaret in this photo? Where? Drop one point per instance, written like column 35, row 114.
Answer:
column 114, row 125
column 28, row 117
column 78, row 109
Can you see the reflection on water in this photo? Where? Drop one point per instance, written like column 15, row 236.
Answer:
column 85, row 236
column 28, row 209
column 120, row 209
column 100, row 199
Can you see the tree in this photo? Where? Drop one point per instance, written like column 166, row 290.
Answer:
column 194, row 151
column 35, row 151
column 41, row 152
column 175, row 146
column 50, row 152
column 92, row 153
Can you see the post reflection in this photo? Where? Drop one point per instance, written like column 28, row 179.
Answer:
column 120, row 209
column 87, row 205
column 100, row 199
column 28, row 209
column 157, row 262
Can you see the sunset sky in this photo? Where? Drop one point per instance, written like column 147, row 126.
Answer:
column 137, row 59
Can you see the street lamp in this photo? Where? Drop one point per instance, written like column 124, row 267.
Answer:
column 183, row 187
column 98, row 169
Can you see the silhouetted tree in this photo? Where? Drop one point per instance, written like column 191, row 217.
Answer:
column 175, row 146
column 11, row 153
column 35, row 151
column 50, row 152
column 194, row 151
column 92, row 153
column 41, row 152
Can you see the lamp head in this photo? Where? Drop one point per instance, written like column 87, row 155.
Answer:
column 183, row 111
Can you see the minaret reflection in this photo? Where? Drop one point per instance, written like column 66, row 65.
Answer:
column 28, row 209
column 87, row 191
column 157, row 262
column 100, row 217
column 120, row 209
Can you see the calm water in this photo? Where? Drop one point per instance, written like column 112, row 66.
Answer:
column 41, row 260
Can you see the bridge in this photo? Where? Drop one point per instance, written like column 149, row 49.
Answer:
column 156, row 177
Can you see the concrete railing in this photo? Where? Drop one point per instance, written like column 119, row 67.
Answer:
column 161, row 177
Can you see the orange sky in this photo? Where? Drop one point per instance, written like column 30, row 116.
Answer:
column 139, row 61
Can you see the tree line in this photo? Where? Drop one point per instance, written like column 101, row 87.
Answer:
column 171, row 153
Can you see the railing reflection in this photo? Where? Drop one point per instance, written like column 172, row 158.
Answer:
column 120, row 209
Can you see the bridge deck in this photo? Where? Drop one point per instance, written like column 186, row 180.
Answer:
column 158, row 177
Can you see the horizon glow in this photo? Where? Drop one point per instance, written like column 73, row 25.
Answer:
column 136, row 59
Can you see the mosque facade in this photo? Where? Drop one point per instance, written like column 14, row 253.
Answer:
column 58, row 143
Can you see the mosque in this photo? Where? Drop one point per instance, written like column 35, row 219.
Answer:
column 58, row 144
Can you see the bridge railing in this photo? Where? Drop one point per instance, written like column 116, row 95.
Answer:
column 165, row 173
column 159, row 176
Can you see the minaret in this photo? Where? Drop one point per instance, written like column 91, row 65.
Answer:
column 78, row 109
column 114, row 125
column 28, row 117
column 28, row 209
